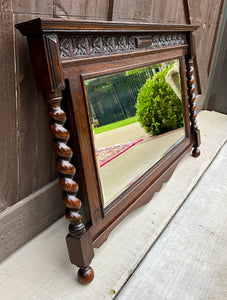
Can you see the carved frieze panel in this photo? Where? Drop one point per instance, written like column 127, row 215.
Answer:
column 77, row 46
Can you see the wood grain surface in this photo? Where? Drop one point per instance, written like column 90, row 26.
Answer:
column 33, row 7
column 149, row 11
column 206, row 15
column 22, row 221
column 6, row 6
column 34, row 144
column 8, row 122
column 91, row 9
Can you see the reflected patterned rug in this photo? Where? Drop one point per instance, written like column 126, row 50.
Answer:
column 105, row 155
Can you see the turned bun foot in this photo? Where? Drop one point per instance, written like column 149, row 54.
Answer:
column 86, row 275
column 196, row 152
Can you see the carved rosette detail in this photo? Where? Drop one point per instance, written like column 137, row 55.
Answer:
column 74, row 46
column 192, row 105
column 65, row 168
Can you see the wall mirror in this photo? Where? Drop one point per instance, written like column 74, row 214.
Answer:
column 121, row 99
column 126, row 144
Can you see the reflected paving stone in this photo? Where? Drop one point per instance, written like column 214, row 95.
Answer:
column 105, row 155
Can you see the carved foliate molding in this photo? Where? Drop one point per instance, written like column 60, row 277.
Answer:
column 161, row 40
column 77, row 46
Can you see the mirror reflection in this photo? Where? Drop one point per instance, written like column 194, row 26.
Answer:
column 137, row 118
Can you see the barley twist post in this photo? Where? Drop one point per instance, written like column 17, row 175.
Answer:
column 70, row 187
column 192, row 107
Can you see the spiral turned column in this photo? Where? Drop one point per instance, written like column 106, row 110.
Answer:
column 66, row 173
column 192, row 107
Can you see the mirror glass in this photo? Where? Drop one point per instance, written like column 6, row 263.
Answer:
column 136, row 118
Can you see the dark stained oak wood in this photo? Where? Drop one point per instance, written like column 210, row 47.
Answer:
column 78, row 240
column 79, row 26
column 85, row 276
column 61, row 66
column 193, row 114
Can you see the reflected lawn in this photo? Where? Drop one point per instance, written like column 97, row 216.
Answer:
column 116, row 125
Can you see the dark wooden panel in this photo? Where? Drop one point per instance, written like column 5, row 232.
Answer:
column 33, row 6
column 35, row 148
column 8, row 101
column 24, row 220
column 159, row 11
column 90, row 9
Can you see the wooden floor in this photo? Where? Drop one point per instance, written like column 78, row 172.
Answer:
column 178, row 240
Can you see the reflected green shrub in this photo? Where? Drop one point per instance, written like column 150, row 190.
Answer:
column 158, row 108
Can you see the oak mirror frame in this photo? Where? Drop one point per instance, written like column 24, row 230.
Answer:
column 67, row 57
